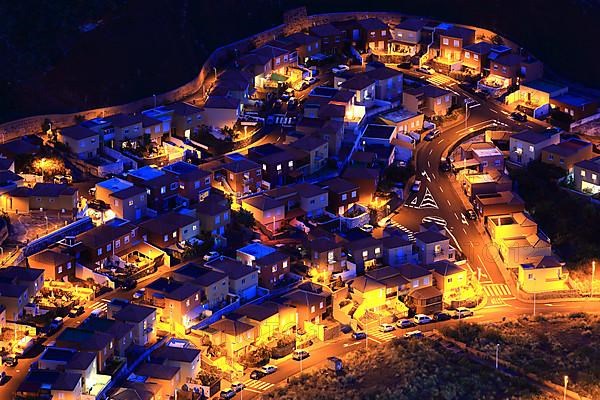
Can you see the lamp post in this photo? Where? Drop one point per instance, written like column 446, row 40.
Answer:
column 593, row 273
column 497, row 350
column 565, row 391
column 215, row 69
column 45, row 216
column 466, row 113
column 154, row 97
column 534, row 297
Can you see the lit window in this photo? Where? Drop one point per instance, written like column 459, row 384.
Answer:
column 365, row 253
column 467, row 55
column 265, row 167
column 274, row 268
column 126, row 239
column 226, row 216
column 285, row 264
column 594, row 177
column 194, row 227
column 312, row 309
column 117, row 244
column 291, row 164
column 583, row 173
column 426, row 280
column 354, row 193
column 60, row 269
column 174, row 234
column 531, row 149
column 321, row 305
column 278, row 167
column 109, row 247
column 163, row 190
column 456, row 43
column 197, row 297
column 166, row 238
column 187, row 303
column 476, row 56
column 344, row 197
column 130, row 202
column 377, row 250
column 100, row 251
column 445, row 41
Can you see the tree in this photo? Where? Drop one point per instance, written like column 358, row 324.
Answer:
column 245, row 218
column 497, row 39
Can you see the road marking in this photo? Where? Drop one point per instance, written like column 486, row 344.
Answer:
column 351, row 344
column 428, row 164
column 441, row 190
column 449, row 202
column 438, row 220
column 440, row 142
column 494, row 111
column 549, row 304
column 430, row 151
column 471, row 243
column 497, row 290
column 428, row 200
column 453, row 238
column 456, row 215
column 464, row 230
column 257, row 385
column 432, row 174
column 504, row 112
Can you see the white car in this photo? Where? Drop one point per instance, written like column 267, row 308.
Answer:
column 386, row 327
column 139, row 293
column 237, row 386
column 340, row 68
column 421, row 319
column 311, row 81
column 416, row 186
column 268, row 369
column 367, row 228
column 211, row 256
column 426, row 69
column 462, row 312
column 413, row 334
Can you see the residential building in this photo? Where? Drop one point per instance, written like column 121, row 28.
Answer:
column 326, row 255
column 214, row 285
column 57, row 265
column 565, row 154
column 586, row 175
column 167, row 377
column 214, row 214
column 82, row 142
column 42, row 197
column 43, row 383
column 181, row 302
column 433, row 246
column 235, row 84
column 527, row 146
column 243, row 279
column 123, row 131
column 483, row 155
column 517, row 250
column 280, row 164
column 187, row 359
column 154, row 130
column 448, row 277
column 343, row 194
column 267, row 211
column 269, row 318
column 490, row 182
column 575, row 106
column 121, row 332
column 76, row 362
column 126, row 200
column 13, row 298
column 332, row 39
column 161, row 187
column 312, row 307
column 506, row 226
column 243, row 176
column 488, row 204
column 394, row 283
column 31, row 278
column 404, row 120
column 366, row 179
column 376, row 134
column 221, row 111
column 452, row 41
column 317, row 150
column 235, row 336
column 185, row 119
column 542, row 274
column 365, row 253
column 369, row 293
column 101, row 344
column 397, row 251
column 143, row 320
column 168, row 229
column 429, row 100
column 374, row 35
column 194, row 182
column 510, row 69
column 306, row 45
column 475, row 56
column 361, row 85
column 272, row 269
column 266, row 60
column 406, row 36
column 104, row 241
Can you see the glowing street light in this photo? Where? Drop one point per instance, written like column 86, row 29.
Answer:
column 565, row 391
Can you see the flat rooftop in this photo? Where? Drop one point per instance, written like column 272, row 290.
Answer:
column 147, row 173
column 115, row 184
column 489, row 152
column 257, row 250
column 399, row 115
column 479, row 178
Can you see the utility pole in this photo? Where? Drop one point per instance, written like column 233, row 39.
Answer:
column 497, row 350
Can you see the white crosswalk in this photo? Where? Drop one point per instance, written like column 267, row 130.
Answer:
column 380, row 336
column 257, row 385
column 100, row 305
column 409, row 233
column 428, row 201
column 439, row 79
column 497, row 290
column 438, row 220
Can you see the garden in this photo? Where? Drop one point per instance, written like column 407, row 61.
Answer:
column 548, row 346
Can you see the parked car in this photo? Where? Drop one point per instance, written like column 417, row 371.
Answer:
column 432, row 135
column 269, row 369
column 367, row 228
column 227, row 394
column 413, row 334
column 340, row 68
column 462, row 312
column 405, row 65
column 139, row 293
column 76, row 311
column 405, row 323
column 470, row 214
column 359, row 335
column 211, row 256
column 257, row 374
column 237, row 386
column 441, row 316
column 426, row 69
column 300, row 355
column 2, row 378
column 421, row 319
column 517, row 116
column 386, row 327
column 10, row 361
column 416, row 186
column 311, row 81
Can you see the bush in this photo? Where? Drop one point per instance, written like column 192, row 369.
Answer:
column 256, row 358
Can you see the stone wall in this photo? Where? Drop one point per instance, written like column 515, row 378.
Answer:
column 202, row 82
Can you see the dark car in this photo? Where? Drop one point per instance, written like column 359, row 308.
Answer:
column 256, row 375
column 227, row 394
column 517, row 116
column 445, row 165
column 300, row 355
column 10, row 361
column 405, row 65
column 471, row 214
column 432, row 135
column 359, row 335
column 442, row 316
column 346, row 329
column 76, row 311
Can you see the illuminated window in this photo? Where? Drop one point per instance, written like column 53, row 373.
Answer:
column 187, row 303
column 100, row 252
column 445, row 41
column 476, row 56
column 583, row 173
column 274, row 268
column 60, row 269
column 594, row 177
column 126, row 239
column 130, row 203
column 456, row 43
column 365, row 253
column 291, row 164
column 174, row 234
column 354, row 193
column 531, row 149
column 467, row 55
column 109, row 247
column 163, row 189
column 344, row 197
column 117, row 244
column 377, row 250
column 278, row 167
column 285, row 264
column 312, row 309
column 321, row 305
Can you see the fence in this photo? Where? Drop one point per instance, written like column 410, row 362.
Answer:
column 73, row 229
column 217, row 315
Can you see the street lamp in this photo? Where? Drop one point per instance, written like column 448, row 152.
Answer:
column 215, row 69
column 154, row 96
column 565, row 391
column 534, row 296
column 497, row 350
column 593, row 273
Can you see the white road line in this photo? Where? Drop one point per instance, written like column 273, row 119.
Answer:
column 494, row 111
column 428, row 164
column 456, row 215
column 433, row 175
column 430, row 151
column 449, row 202
column 440, row 142
column 465, row 231
column 504, row 112
column 441, row 190
column 483, row 265
column 471, row 243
